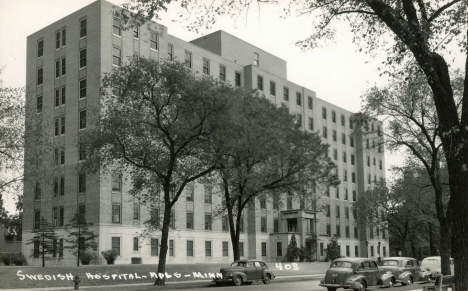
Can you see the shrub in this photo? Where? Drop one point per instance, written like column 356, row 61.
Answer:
column 18, row 259
column 110, row 256
column 293, row 252
column 6, row 258
column 86, row 257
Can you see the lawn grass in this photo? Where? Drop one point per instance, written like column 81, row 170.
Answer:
column 10, row 277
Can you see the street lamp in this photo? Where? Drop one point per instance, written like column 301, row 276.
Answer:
column 367, row 249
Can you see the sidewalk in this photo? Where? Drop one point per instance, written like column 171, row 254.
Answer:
column 170, row 285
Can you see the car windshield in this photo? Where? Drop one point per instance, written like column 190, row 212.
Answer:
column 341, row 264
column 390, row 263
column 430, row 261
column 238, row 264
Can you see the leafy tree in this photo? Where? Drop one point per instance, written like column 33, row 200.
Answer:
column 264, row 154
column 421, row 30
column 333, row 249
column 293, row 251
column 161, row 140
column 413, row 124
column 45, row 236
column 309, row 250
column 81, row 240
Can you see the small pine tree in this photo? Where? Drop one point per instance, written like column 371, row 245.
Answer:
column 333, row 249
column 46, row 238
column 80, row 240
column 293, row 252
column 309, row 249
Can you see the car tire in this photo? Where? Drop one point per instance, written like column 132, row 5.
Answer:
column 362, row 286
column 238, row 280
column 267, row 279
column 392, row 283
column 410, row 281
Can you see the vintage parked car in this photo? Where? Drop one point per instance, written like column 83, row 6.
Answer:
column 433, row 265
column 245, row 271
column 357, row 274
column 405, row 270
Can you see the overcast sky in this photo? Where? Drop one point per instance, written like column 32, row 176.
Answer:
column 336, row 72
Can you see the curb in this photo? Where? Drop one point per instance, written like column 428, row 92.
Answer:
column 171, row 285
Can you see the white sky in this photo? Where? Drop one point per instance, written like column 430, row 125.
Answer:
column 337, row 73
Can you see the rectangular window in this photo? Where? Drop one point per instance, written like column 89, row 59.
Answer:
column 222, row 73
column 63, row 95
column 321, row 249
column 238, row 79
column 325, row 132
column 82, row 28
column 64, row 37
column 311, row 123
column 82, row 154
column 286, row 93
column 351, row 141
column 36, row 249
column 39, row 104
column 57, row 40
column 56, row 186
column 208, row 194
column 310, row 103
column 334, row 135
column 241, row 249
column 275, row 225
column 347, row 250
column 62, row 156
column 264, row 249
column 154, row 41
column 56, row 156
column 384, row 250
column 356, row 251
column 343, row 138
column 116, row 26
column 272, row 88
column 207, row 221
column 260, row 83
column 116, row 182
column 345, row 175
column 83, row 88
column 82, row 58
column 354, row 195
column 351, row 123
column 63, row 66
column 328, row 210
column 225, row 249
column 40, row 71
column 57, row 69
column 57, row 98
column 170, row 52
column 154, row 247
column 62, row 216
column 172, row 222
column 136, row 212
column 188, row 60
column 324, row 113
column 62, row 125
column 298, row 99
column 344, row 158
column 256, row 59
column 83, row 119
column 263, row 224
column 289, row 203
column 116, row 245
column 135, row 244
column 208, row 250
column 56, row 127
column 190, row 248
column 116, row 56
column 37, row 219
column 61, row 248
column 55, row 216
column 335, row 154
column 40, row 48
column 333, row 116
column 372, row 251
column 224, row 222
column 154, row 216
column 206, row 66
column 82, row 182
column 338, row 230
column 279, row 249
column 136, row 31
column 189, row 220
column 353, row 177
column 189, row 192
column 263, row 202
column 379, row 149
column 337, row 193
column 337, row 211
column 116, row 213
column 346, row 198
column 353, row 160
column 171, row 248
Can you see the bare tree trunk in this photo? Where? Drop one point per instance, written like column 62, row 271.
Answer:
column 79, row 248
column 164, row 238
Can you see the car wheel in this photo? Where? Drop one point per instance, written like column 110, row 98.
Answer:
column 331, row 289
column 362, row 286
column 238, row 280
column 267, row 279
column 410, row 281
column 391, row 284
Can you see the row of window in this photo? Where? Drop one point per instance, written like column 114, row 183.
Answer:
column 338, row 211
column 379, row 146
column 356, row 250
column 337, row 192
column 60, row 67
column 60, row 96
column 61, row 38
column 57, row 248
column 310, row 104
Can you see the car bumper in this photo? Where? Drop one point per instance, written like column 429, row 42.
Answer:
column 222, row 280
column 346, row 286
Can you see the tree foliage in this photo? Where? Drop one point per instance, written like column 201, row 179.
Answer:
column 81, row 241
column 46, row 238
column 333, row 249
column 293, row 251
column 156, row 123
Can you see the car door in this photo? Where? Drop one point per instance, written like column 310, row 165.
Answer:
column 259, row 270
column 373, row 273
column 250, row 271
column 408, row 267
column 365, row 270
